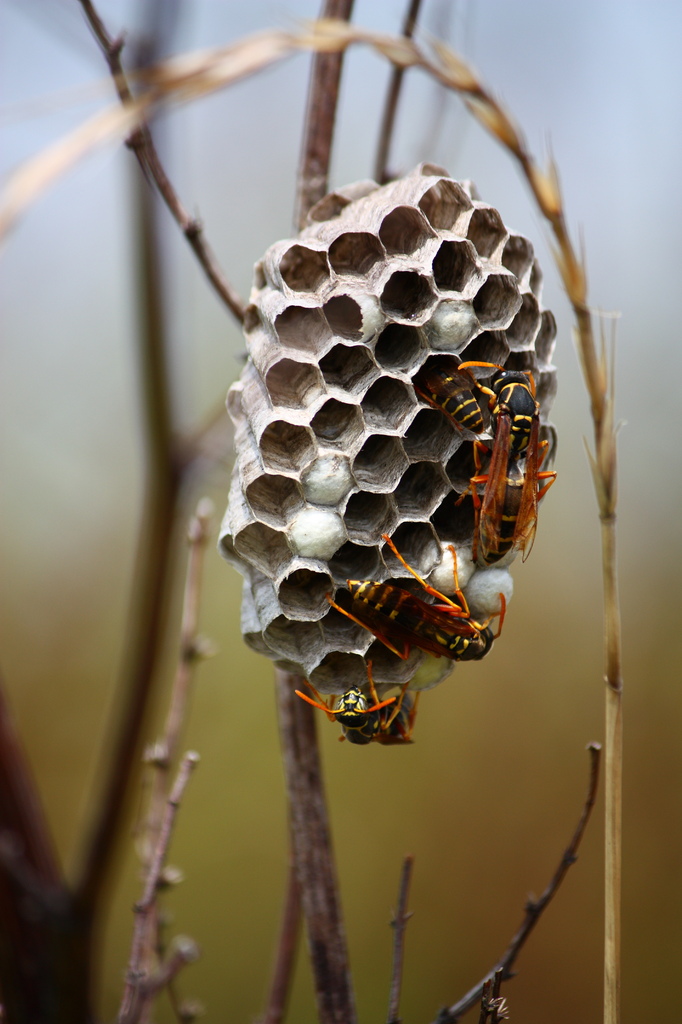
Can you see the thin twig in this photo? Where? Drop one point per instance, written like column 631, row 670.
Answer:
column 313, row 175
column 286, row 952
column 534, row 908
column 154, row 560
column 313, row 854
column 163, row 752
column 391, row 105
column 144, row 149
column 136, row 988
column 398, row 924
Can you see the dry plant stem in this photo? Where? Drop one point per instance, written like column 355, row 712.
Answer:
column 165, row 750
column 154, row 561
column 398, row 924
column 286, row 952
column 381, row 173
column 136, row 992
column 320, row 119
column 143, row 146
column 313, row 854
column 534, row 908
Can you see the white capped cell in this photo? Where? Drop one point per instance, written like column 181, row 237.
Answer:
column 484, row 588
column 316, row 533
column 327, row 480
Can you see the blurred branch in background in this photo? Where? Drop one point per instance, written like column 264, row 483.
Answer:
column 399, row 924
column 162, row 799
column 143, row 147
column 534, row 908
column 381, row 171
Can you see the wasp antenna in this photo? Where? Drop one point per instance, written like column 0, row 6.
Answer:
column 331, row 715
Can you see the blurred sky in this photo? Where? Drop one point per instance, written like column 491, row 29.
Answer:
column 600, row 84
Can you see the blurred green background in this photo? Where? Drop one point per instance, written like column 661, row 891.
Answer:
column 488, row 796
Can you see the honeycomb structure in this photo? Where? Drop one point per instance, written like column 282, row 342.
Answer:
column 333, row 445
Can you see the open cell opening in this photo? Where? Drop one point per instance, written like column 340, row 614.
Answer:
column 259, row 280
column 274, row 499
column 461, row 467
column 369, row 515
column 420, row 490
column 293, row 384
column 454, row 523
column 524, row 327
column 355, row 562
column 536, row 279
column 454, row 265
column 303, row 328
column 430, row 436
column 386, row 404
column 341, row 632
column 263, row 547
column 337, row 672
column 523, row 360
column 417, row 543
column 350, row 368
column 398, row 347
column 302, row 594
column 404, row 230
column 329, row 207
column 486, row 230
column 390, row 670
column 292, row 643
column 545, row 388
column 286, row 446
column 355, row 252
column 380, row 463
column 406, row 295
column 487, row 347
column 304, row 269
column 337, row 423
column 518, row 255
column 251, row 318
column 497, row 301
column 344, row 316
column 443, row 203
column 544, row 343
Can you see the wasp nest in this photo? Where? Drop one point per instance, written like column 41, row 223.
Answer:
column 333, row 445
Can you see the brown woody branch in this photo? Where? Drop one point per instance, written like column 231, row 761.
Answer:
column 534, row 908
column 323, row 94
column 381, row 173
column 398, row 924
column 147, row 155
column 313, row 854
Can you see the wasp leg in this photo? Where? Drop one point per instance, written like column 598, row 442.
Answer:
column 427, row 586
column 399, row 704
column 550, row 477
column 373, row 692
column 502, row 612
column 319, row 703
column 403, row 655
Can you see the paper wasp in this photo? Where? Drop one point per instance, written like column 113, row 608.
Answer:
column 507, row 514
column 364, row 722
column 401, row 621
column 449, row 386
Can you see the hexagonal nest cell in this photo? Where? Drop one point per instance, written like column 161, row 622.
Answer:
column 334, row 447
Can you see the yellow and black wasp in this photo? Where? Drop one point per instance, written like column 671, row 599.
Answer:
column 368, row 721
column 507, row 512
column 449, row 386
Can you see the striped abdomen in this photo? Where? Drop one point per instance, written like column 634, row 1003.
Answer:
column 407, row 621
